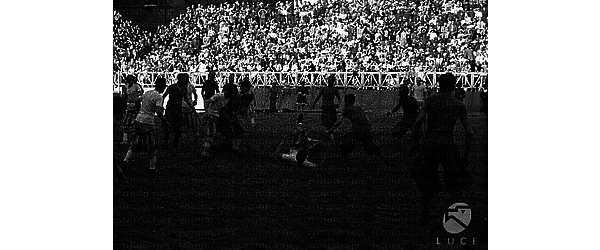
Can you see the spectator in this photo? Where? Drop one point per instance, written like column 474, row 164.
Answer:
column 329, row 33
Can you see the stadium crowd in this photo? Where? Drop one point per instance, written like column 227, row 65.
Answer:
column 312, row 35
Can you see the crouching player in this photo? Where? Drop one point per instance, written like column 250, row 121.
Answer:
column 298, row 150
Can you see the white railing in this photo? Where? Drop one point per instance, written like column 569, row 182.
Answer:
column 368, row 80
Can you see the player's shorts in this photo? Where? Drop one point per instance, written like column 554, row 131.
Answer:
column 174, row 117
column 144, row 138
column 230, row 127
column 128, row 121
column 189, row 120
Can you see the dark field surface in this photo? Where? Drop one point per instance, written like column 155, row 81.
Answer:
column 256, row 201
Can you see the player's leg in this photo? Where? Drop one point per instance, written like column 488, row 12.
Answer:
column 128, row 127
column 150, row 145
column 177, row 117
column 456, row 175
column 210, row 128
column 133, row 146
column 399, row 131
column 417, row 134
column 425, row 174
column 167, row 130
column 153, row 156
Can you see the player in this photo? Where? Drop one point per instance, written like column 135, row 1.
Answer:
column 190, row 121
column 177, row 94
column 228, row 124
column 410, row 111
column 301, row 100
column 418, row 92
column 298, row 150
column 145, row 126
column 329, row 93
column 248, row 101
column 132, row 95
column 361, row 128
column 211, row 118
column 210, row 87
column 361, row 131
column 438, row 148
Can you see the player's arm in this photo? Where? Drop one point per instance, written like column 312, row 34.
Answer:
column 195, row 94
column 160, row 111
column 317, row 98
column 166, row 92
column 337, row 124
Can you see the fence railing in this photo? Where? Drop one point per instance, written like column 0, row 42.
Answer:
column 359, row 80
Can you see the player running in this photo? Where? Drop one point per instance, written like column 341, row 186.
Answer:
column 438, row 148
column 177, row 94
column 132, row 95
column 145, row 126
column 410, row 111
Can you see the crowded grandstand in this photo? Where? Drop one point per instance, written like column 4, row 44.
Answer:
column 310, row 36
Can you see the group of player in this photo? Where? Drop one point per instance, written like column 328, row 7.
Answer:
column 431, row 120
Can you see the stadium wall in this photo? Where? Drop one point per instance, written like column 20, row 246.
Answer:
column 375, row 91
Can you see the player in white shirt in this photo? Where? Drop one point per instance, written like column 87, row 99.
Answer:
column 145, row 126
column 419, row 93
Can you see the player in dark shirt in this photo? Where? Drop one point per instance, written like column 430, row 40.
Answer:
column 301, row 100
column 229, row 124
column 441, row 113
column 410, row 111
column 177, row 94
column 209, row 88
column 248, row 100
column 328, row 106
column 361, row 130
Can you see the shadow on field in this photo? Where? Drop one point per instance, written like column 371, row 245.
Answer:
column 256, row 201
